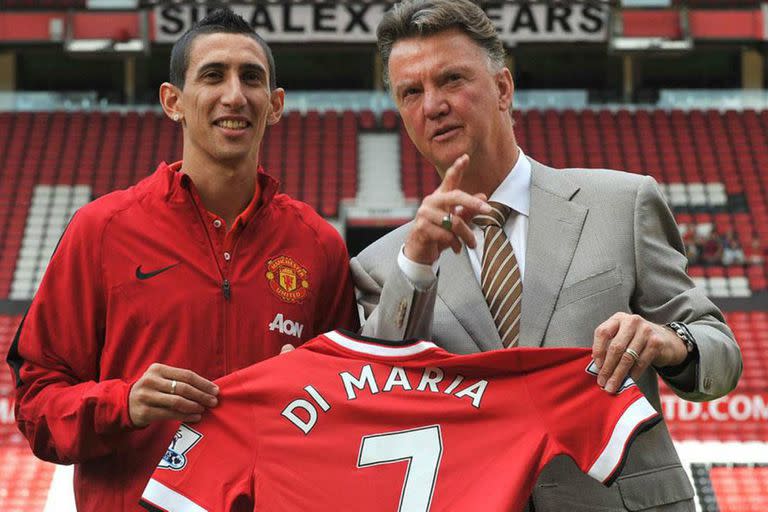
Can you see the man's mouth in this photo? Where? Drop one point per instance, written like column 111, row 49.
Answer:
column 232, row 124
column 444, row 132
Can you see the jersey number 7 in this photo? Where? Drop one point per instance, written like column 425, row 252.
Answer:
column 422, row 448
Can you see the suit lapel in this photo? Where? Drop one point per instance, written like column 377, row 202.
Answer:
column 554, row 228
column 461, row 294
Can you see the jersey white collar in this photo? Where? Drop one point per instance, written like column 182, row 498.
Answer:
column 374, row 349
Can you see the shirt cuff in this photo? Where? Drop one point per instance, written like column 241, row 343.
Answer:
column 421, row 276
column 685, row 375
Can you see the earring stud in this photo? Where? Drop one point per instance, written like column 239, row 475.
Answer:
column 176, row 117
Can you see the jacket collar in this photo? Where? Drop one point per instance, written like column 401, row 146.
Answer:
column 173, row 185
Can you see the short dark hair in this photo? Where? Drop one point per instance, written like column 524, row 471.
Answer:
column 218, row 21
column 421, row 18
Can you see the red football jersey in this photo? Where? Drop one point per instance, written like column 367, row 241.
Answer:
column 349, row 423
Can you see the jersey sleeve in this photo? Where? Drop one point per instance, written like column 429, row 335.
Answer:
column 339, row 304
column 62, row 408
column 591, row 426
column 208, row 466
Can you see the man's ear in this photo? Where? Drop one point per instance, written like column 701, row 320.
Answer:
column 506, row 87
column 277, row 99
column 170, row 100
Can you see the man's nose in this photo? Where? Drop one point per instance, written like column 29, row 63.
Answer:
column 234, row 95
column 435, row 103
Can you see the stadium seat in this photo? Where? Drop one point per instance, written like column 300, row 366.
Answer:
column 740, row 488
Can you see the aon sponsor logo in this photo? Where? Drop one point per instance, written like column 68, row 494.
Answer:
column 288, row 327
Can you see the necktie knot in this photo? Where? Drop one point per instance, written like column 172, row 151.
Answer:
column 497, row 217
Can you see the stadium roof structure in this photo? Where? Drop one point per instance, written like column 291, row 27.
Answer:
column 120, row 43
column 622, row 43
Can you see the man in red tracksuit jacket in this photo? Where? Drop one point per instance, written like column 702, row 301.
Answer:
column 198, row 270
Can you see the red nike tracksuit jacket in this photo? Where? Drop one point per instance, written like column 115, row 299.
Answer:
column 147, row 275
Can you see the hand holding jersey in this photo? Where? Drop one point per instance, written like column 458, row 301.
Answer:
column 168, row 393
column 627, row 344
column 369, row 425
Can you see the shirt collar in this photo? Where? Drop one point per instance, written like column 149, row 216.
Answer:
column 515, row 190
column 267, row 184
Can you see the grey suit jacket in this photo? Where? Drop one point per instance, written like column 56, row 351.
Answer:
column 598, row 242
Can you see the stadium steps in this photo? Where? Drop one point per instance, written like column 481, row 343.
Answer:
column 50, row 210
column 379, row 177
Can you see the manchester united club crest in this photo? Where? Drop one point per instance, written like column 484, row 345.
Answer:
column 287, row 279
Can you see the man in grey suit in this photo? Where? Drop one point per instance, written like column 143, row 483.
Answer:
column 600, row 260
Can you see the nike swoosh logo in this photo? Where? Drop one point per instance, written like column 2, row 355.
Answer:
column 146, row 275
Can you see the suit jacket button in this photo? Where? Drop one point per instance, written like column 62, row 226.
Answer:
column 401, row 308
column 707, row 383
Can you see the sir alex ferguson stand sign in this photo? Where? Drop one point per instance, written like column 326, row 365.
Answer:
column 356, row 22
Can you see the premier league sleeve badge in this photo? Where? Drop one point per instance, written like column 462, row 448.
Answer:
column 175, row 457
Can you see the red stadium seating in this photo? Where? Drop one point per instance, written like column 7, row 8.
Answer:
column 28, row 5
column 740, row 488
column 675, row 147
column 743, row 420
column 8, row 326
column 24, row 480
column 313, row 155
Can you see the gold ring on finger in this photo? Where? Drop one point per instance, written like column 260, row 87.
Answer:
column 173, row 387
column 633, row 354
column 447, row 222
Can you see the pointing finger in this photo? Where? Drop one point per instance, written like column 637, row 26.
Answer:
column 455, row 172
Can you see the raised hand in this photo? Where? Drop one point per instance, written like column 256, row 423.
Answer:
column 442, row 220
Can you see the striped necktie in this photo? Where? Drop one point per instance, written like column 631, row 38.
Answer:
column 500, row 278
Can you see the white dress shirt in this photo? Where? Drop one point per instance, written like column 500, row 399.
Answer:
column 515, row 192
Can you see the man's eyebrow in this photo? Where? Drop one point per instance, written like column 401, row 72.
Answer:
column 258, row 68
column 454, row 68
column 218, row 66
column 403, row 85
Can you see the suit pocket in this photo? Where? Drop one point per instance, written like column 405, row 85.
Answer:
column 592, row 285
column 642, row 491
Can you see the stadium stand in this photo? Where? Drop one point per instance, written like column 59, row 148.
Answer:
column 78, row 156
column 740, row 416
column 25, row 5
column 740, row 488
column 24, row 479
column 708, row 149
column 731, row 488
column 709, row 166
column 709, row 186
